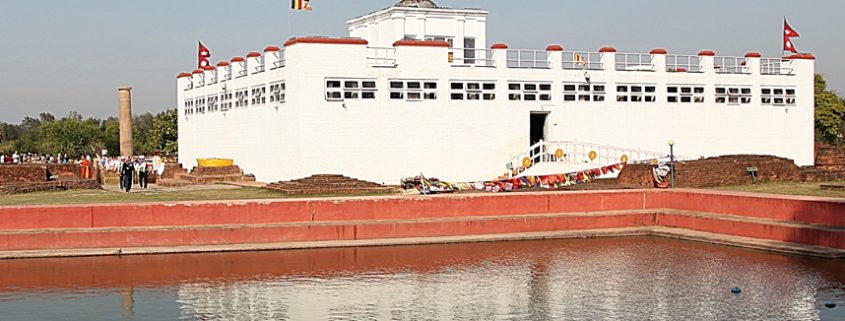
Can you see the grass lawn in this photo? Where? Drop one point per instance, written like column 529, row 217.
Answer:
column 105, row 196
column 788, row 188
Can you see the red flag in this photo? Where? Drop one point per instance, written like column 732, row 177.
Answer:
column 788, row 34
column 203, row 54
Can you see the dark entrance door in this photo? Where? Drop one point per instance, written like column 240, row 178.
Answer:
column 538, row 127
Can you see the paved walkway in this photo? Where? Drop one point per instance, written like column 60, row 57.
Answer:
column 154, row 188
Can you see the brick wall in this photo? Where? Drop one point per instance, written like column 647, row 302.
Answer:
column 22, row 173
column 732, row 170
column 830, row 157
column 29, row 187
column 11, row 174
column 639, row 175
column 717, row 171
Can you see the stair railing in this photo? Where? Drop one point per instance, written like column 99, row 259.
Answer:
column 578, row 153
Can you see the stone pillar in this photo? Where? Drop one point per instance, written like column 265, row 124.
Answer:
column 126, row 142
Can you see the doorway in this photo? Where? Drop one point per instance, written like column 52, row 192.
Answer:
column 538, row 127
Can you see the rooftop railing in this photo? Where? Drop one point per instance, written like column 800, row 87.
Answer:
column 684, row 63
column 471, row 57
column 775, row 66
column 276, row 59
column 381, row 57
column 731, row 65
column 500, row 57
column 536, row 59
column 634, row 62
column 581, row 60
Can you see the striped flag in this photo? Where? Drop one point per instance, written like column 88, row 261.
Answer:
column 299, row 5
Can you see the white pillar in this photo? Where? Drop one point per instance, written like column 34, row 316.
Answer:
column 608, row 58
column 658, row 59
column 256, row 62
column 708, row 61
column 500, row 55
column 555, row 56
column 238, row 67
column 752, row 63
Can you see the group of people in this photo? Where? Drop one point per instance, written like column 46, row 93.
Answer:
column 30, row 158
column 130, row 167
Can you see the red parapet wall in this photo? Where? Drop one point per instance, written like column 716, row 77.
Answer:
column 803, row 220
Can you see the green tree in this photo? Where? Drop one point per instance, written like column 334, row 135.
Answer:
column 71, row 136
column 164, row 134
column 111, row 136
column 830, row 113
column 141, row 126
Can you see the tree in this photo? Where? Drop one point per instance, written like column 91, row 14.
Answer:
column 71, row 136
column 163, row 135
column 111, row 136
column 830, row 114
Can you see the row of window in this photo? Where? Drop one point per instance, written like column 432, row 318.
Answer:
column 419, row 90
column 238, row 98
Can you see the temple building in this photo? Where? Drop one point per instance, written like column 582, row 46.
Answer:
column 416, row 88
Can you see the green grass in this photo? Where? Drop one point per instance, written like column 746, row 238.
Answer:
column 787, row 188
column 104, row 196
column 107, row 197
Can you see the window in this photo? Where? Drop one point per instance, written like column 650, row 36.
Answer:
column 636, row 93
column 778, row 96
column 413, row 90
column 226, row 101
column 350, row 89
column 585, row 92
column 212, row 103
column 685, row 94
column 529, row 91
column 241, row 97
column 199, row 105
column 259, row 96
column 472, row 90
column 733, row 95
column 189, row 106
column 449, row 40
column 277, row 92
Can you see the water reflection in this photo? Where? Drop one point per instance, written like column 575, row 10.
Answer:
column 603, row 279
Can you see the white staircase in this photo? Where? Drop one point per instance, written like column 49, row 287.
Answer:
column 550, row 158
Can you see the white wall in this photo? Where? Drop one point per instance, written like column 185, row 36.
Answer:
column 385, row 27
column 384, row 140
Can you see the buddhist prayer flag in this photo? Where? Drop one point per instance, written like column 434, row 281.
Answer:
column 204, row 54
column 788, row 34
column 299, row 5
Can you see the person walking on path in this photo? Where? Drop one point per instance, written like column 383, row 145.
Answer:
column 128, row 170
column 143, row 173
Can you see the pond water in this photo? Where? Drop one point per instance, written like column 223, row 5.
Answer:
column 640, row 278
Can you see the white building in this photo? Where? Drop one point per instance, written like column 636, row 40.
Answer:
column 415, row 89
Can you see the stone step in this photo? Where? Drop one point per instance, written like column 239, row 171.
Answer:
column 334, row 191
column 763, row 230
column 171, row 182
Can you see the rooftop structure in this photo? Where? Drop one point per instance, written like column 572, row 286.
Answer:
column 416, row 89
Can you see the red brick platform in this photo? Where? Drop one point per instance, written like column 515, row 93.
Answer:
column 329, row 185
column 802, row 225
column 176, row 176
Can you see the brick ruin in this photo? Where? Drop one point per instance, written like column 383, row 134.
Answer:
column 16, row 179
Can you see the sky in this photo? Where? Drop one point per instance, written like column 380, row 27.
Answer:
column 60, row 56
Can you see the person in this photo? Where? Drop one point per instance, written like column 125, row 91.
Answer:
column 119, row 170
column 16, row 159
column 127, row 170
column 2, row 158
column 143, row 173
column 85, row 166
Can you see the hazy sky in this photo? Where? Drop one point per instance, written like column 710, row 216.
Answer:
column 62, row 55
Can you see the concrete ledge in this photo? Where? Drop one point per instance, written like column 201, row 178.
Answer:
column 388, row 220
column 772, row 246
